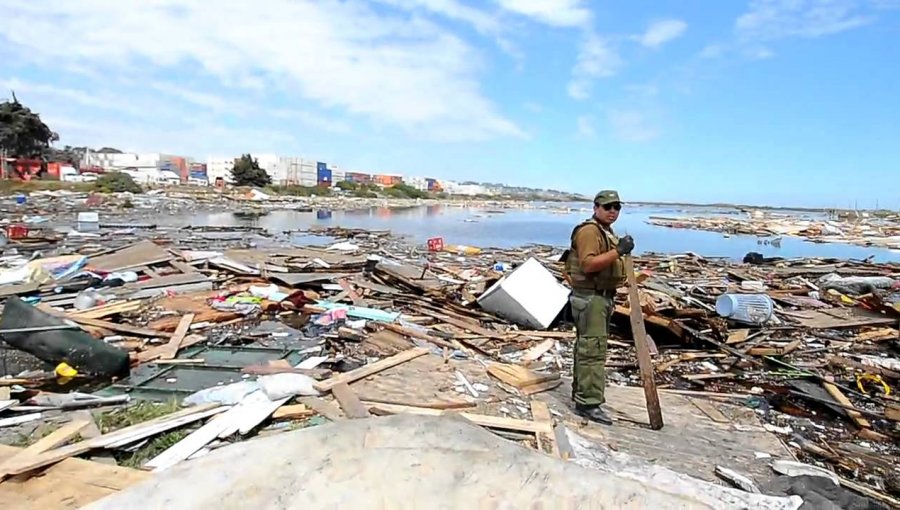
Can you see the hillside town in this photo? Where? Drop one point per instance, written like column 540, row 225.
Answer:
column 161, row 169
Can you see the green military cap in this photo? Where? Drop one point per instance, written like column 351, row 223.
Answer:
column 606, row 196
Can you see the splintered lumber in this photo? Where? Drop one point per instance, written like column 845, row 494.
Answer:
column 102, row 311
column 322, row 407
column 18, row 420
column 155, row 352
column 842, row 399
column 541, row 413
column 56, row 438
column 892, row 412
column 349, row 402
column 540, row 387
column 371, row 368
column 208, row 315
column 293, row 411
column 517, row 376
column 413, row 333
column 466, row 325
column 737, row 336
column 538, row 350
column 111, row 326
column 181, row 331
column 643, row 349
column 497, row 422
column 123, row 436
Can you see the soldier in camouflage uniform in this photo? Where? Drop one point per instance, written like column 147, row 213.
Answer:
column 594, row 268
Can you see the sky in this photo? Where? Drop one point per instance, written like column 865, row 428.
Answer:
column 769, row 102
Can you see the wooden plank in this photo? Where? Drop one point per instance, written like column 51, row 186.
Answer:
column 102, row 311
column 144, row 253
column 194, row 441
column 322, row 407
column 478, row 419
column 56, row 438
column 412, row 333
column 147, row 271
column 293, row 412
column 111, row 326
column 354, row 296
column 892, row 412
column 540, row 387
column 643, row 351
column 72, row 484
column 538, row 350
column 18, row 420
column 183, row 266
column 6, row 404
column 842, row 399
column 541, row 413
column 464, row 324
column 517, row 376
column 737, row 336
column 154, row 352
column 178, row 337
column 710, row 410
column 349, row 402
column 371, row 368
column 134, row 432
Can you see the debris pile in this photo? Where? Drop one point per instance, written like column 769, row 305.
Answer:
column 863, row 229
column 235, row 340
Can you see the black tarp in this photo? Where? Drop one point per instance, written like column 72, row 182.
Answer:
column 80, row 350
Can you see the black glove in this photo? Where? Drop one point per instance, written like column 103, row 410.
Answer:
column 626, row 246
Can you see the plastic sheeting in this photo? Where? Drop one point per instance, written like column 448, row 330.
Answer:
column 401, row 461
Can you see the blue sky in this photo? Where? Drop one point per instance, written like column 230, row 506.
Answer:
column 781, row 102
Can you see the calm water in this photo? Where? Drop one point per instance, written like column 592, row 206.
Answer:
column 512, row 228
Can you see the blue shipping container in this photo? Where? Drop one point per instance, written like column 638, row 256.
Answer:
column 321, row 166
column 323, row 175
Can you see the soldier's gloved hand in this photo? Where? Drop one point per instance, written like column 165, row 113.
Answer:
column 626, row 246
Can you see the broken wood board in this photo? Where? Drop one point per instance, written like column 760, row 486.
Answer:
column 292, row 412
column 68, row 485
column 479, row 419
column 534, row 353
column 143, row 253
column 737, row 336
column 540, row 412
column 103, row 311
column 670, row 324
column 371, row 368
column 123, row 436
column 349, row 402
column 839, row 318
column 641, row 345
column 386, row 343
column 322, row 407
column 540, row 387
column 517, row 376
column 56, row 438
column 710, row 410
column 111, row 326
column 174, row 345
column 464, row 324
column 154, row 352
column 776, row 351
column 842, row 399
column 204, row 315
column 892, row 412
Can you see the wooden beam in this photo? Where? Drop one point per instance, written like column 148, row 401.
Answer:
column 498, row 422
column 121, row 328
column 541, row 412
column 178, row 337
column 56, row 438
column 371, row 368
column 643, row 350
column 322, row 407
column 842, row 399
column 349, row 402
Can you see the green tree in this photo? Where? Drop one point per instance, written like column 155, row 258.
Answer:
column 117, row 182
column 246, row 172
column 22, row 133
column 347, row 186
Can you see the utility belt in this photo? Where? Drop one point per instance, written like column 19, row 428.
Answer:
column 588, row 292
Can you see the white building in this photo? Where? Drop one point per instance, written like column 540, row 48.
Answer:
column 219, row 167
column 455, row 188
column 420, row 183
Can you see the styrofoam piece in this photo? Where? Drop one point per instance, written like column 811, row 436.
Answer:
column 529, row 296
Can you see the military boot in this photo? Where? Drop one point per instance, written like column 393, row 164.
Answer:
column 593, row 413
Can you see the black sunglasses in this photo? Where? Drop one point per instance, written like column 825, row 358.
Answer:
column 615, row 205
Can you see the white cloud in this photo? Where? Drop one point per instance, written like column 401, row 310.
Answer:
column 395, row 70
column 712, row 51
column 632, row 126
column 759, row 53
column 596, row 59
column 586, row 127
column 769, row 20
column 662, row 31
column 452, row 9
column 203, row 99
column 559, row 13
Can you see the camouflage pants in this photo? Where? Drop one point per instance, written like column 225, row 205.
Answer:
column 592, row 313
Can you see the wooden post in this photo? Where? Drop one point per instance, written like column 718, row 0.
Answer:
column 642, row 348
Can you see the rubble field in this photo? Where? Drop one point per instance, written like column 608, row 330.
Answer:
column 131, row 351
